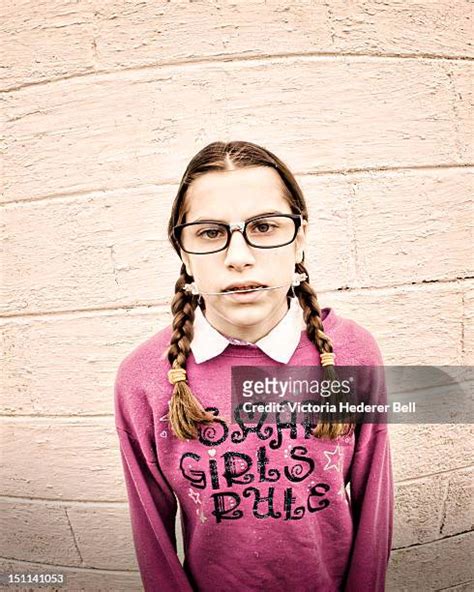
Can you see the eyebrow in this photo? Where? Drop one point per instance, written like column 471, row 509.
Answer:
column 204, row 219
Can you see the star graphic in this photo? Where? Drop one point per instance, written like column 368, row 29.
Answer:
column 330, row 458
column 194, row 495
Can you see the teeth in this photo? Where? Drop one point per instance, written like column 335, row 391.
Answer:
column 244, row 288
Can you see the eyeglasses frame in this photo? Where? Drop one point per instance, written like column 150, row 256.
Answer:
column 242, row 227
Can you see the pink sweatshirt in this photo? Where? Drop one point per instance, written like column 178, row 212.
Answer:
column 262, row 511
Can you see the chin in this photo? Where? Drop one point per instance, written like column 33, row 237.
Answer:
column 246, row 314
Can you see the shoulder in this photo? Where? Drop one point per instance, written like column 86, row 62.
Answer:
column 354, row 343
column 141, row 377
column 143, row 360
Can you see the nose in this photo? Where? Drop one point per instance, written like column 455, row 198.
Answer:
column 239, row 253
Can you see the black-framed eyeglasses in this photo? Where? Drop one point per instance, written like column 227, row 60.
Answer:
column 263, row 232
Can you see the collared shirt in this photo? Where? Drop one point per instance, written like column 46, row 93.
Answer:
column 279, row 344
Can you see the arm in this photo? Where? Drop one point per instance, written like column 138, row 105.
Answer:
column 372, row 500
column 152, row 504
column 372, row 509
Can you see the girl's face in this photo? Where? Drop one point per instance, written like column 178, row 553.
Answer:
column 234, row 196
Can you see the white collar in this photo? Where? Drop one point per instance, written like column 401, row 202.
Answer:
column 279, row 344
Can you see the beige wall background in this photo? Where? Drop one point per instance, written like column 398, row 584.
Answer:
column 104, row 103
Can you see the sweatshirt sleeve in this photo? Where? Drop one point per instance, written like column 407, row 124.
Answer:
column 152, row 503
column 372, row 498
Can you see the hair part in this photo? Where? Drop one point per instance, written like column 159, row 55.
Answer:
column 186, row 413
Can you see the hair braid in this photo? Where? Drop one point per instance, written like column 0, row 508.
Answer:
column 185, row 411
column 315, row 331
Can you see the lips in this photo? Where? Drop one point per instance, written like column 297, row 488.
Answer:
column 244, row 286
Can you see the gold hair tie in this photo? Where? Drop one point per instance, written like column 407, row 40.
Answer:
column 327, row 359
column 176, row 375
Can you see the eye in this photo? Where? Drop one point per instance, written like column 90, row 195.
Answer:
column 262, row 227
column 210, row 233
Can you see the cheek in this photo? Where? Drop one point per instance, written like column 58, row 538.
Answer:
column 279, row 263
column 208, row 271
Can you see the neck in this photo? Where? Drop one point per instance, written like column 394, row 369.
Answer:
column 250, row 333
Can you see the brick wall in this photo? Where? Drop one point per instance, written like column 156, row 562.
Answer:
column 104, row 103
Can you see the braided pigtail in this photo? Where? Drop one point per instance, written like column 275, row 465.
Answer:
column 185, row 411
column 315, row 331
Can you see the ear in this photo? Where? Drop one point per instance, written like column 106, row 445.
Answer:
column 301, row 241
column 187, row 263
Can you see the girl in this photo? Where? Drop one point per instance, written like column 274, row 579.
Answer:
column 264, row 505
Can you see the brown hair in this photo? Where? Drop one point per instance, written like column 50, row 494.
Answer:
column 185, row 411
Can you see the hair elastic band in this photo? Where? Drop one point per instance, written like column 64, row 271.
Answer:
column 327, row 358
column 176, row 375
column 191, row 288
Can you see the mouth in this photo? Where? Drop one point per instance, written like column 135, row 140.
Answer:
column 250, row 287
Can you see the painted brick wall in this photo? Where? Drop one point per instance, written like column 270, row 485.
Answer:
column 104, row 103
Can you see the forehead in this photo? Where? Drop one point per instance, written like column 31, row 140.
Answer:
column 237, row 194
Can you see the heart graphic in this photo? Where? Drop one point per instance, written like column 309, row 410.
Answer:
column 211, row 452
